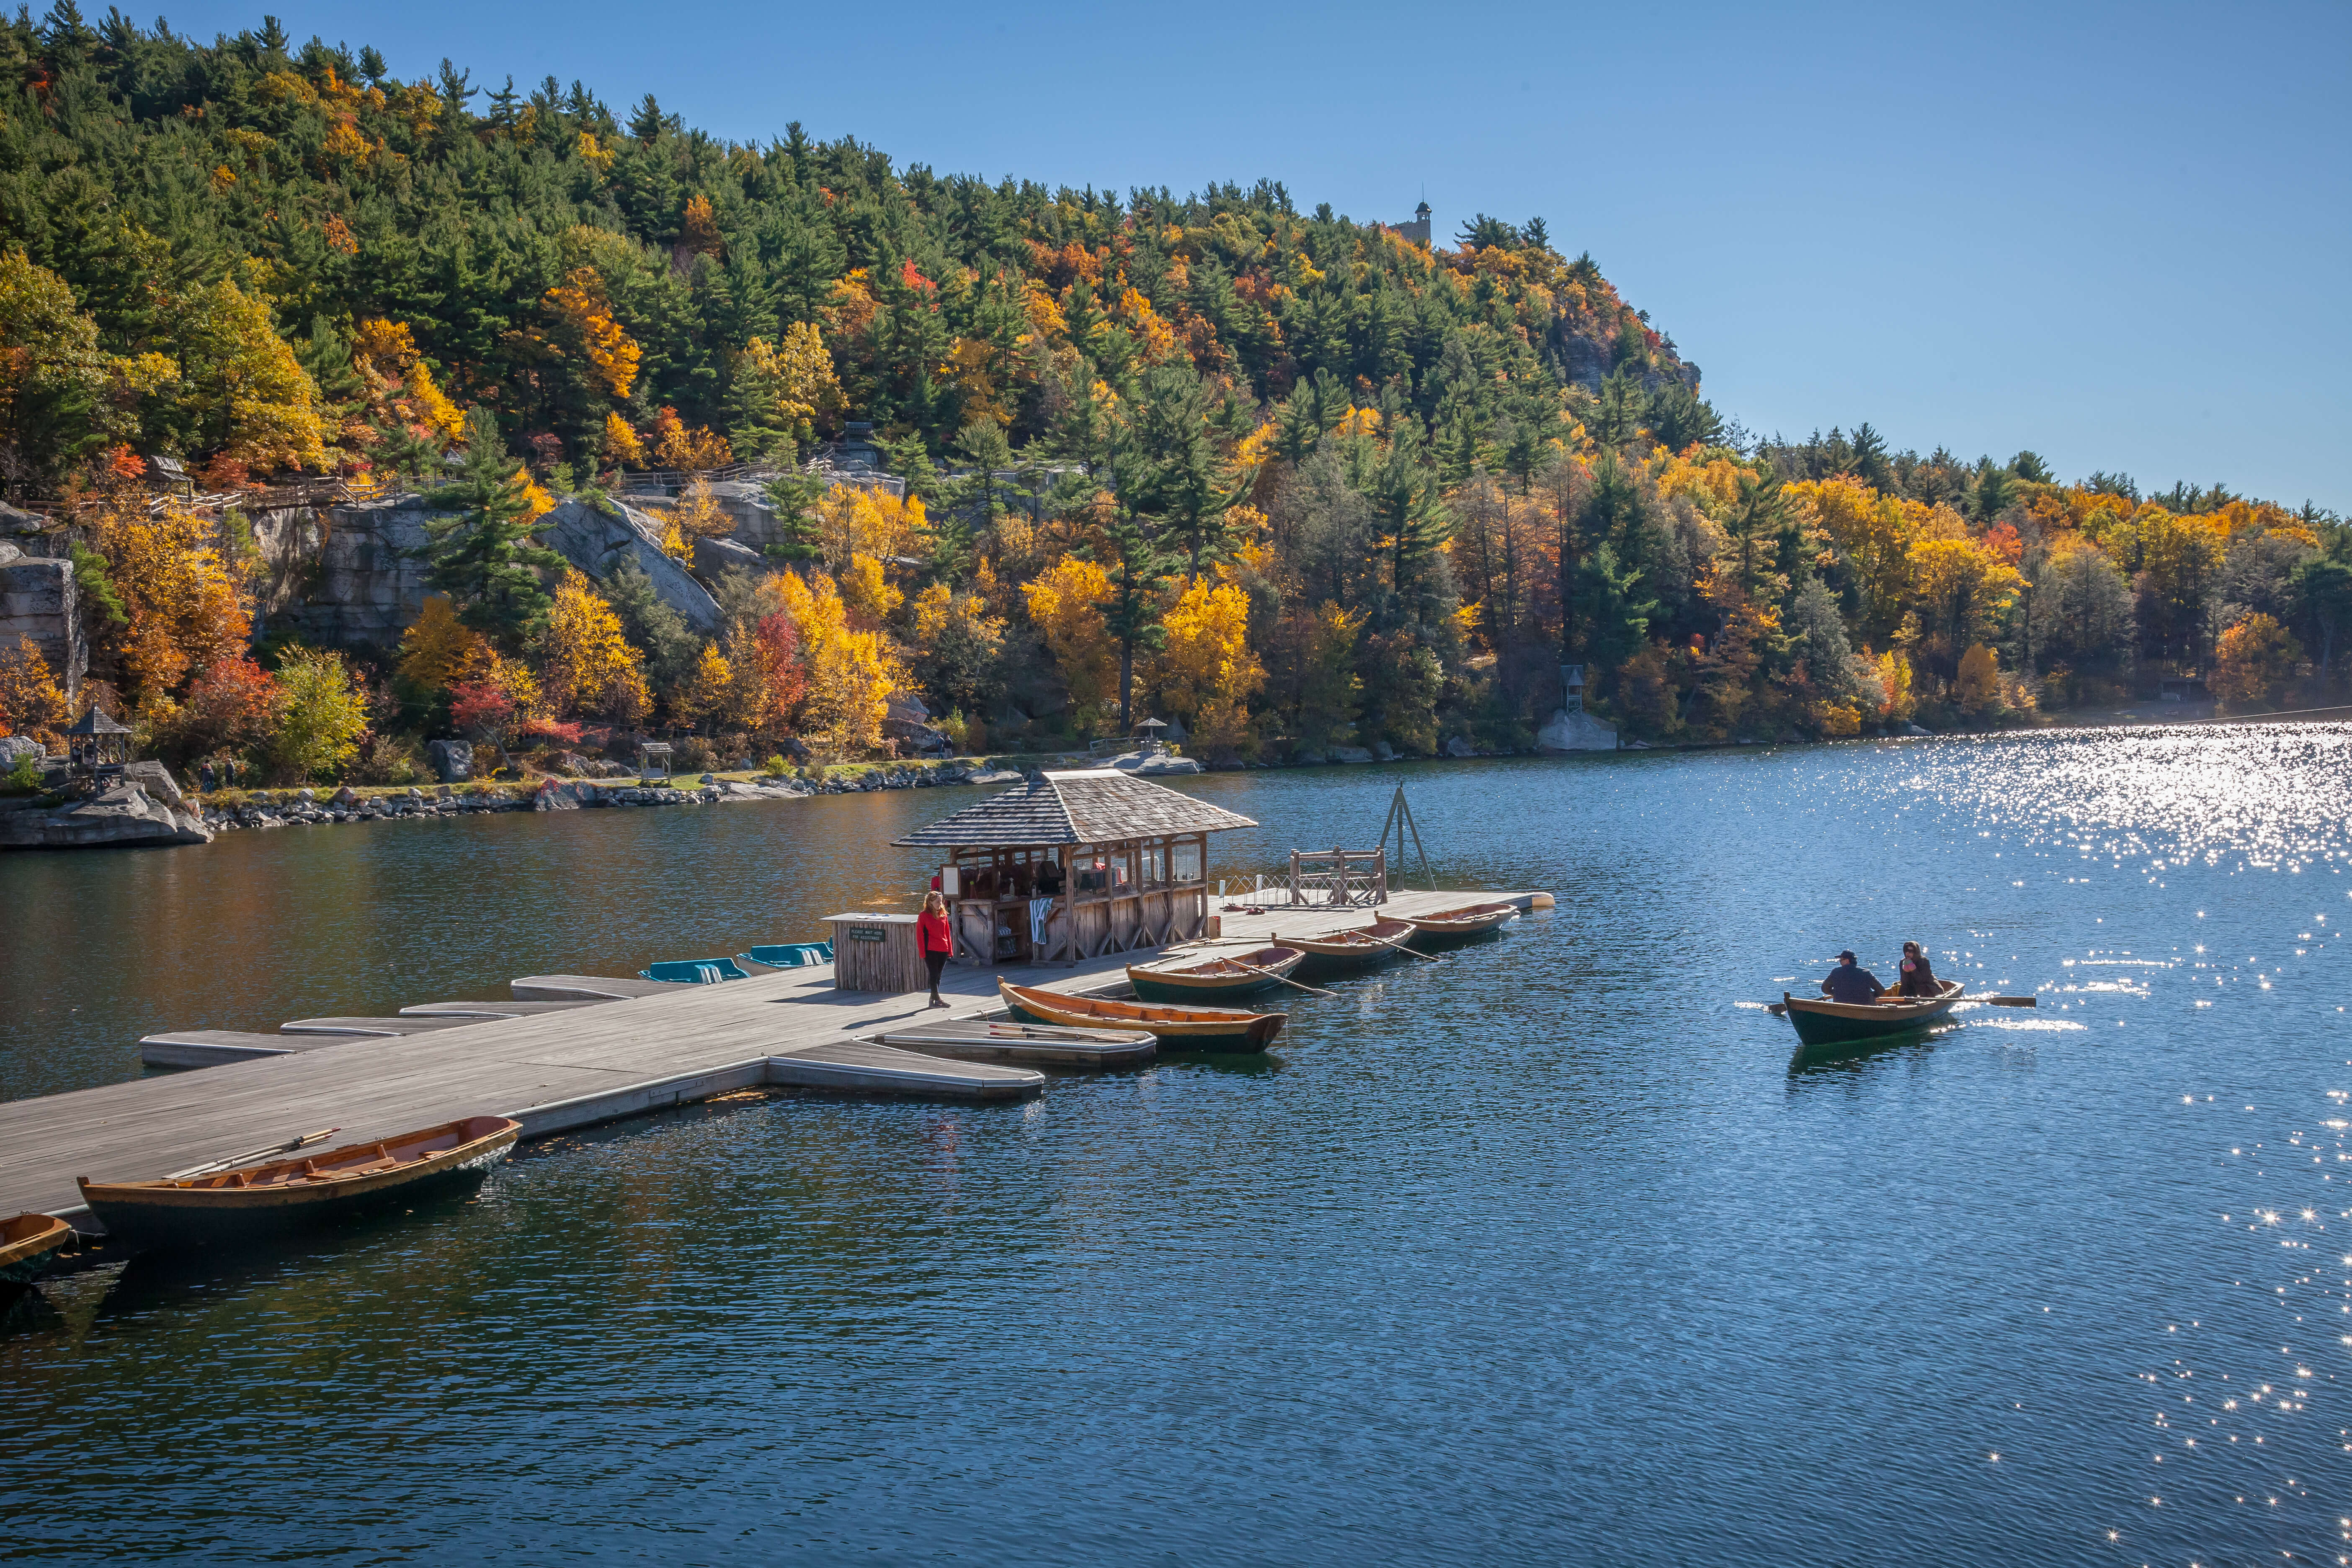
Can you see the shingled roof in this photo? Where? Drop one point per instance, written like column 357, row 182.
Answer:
column 1092, row 806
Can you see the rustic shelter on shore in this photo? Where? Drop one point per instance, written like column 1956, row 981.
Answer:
column 1072, row 865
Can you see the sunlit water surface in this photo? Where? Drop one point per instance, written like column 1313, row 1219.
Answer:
column 1544, row 1254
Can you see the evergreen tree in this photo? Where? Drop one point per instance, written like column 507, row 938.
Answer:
column 794, row 498
column 1138, row 569
column 1172, row 471
column 487, row 557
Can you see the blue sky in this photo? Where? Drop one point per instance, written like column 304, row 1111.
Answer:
column 2117, row 236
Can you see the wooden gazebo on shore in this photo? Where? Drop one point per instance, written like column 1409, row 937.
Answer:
column 1072, row 865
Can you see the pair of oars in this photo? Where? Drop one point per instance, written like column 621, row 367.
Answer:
column 1779, row 1009
column 252, row 1155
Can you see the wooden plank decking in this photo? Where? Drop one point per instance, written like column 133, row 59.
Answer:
column 662, row 1046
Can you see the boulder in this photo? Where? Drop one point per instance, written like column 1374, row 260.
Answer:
column 1383, row 752
column 1915, row 729
column 1456, row 746
column 554, row 797
column 1165, row 763
column 453, row 760
column 995, row 776
column 1307, row 757
column 1579, row 732
column 1350, row 755
column 15, row 746
column 346, row 797
column 124, row 814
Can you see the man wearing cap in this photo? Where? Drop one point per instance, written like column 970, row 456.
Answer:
column 1849, row 982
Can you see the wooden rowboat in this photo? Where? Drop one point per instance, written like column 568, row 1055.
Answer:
column 1226, row 977
column 252, row 1200
column 29, row 1244
column 1178, row 1028
column 1467, row 924
column 1347, row 952
column 1821, row 1022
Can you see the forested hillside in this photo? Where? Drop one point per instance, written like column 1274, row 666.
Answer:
column 1290, row 478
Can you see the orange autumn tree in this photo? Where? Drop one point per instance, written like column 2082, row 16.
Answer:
column 30, row 702
column 581, row 307
column 851, row 673
column 181, row 597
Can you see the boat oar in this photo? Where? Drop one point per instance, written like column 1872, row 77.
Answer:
column 2003, row 1001
column 1270, row 974
column 1424, row 957
column 266, row 1149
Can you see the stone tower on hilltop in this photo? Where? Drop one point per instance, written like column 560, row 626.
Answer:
column 1417, row 230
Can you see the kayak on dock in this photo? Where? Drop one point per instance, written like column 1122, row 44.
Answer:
column 1821, row 1022
column 1178, row 1028
column 1448, row 927
column 29, row 1245
column 1211, row 982
column 1348, row 951
column 252, row 1200
column 695, row 971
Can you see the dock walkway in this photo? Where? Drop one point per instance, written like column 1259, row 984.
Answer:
column 553, row 1071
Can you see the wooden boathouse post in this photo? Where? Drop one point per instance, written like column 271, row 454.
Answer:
column 1126, row 860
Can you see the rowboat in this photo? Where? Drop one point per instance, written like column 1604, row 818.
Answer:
column 1179, row 1029
column 1449, row 927
column 29, row 1244
column 251, row 1200
column 1347, row 952
column 1224, row 978
column 1821, row 1022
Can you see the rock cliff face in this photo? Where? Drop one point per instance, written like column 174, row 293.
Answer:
column 352, row 576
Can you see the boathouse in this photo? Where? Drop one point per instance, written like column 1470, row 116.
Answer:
column 1072, row 865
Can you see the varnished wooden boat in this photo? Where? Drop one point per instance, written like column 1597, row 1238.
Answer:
column 1177, row 1028
column 1821, row 1022
column 1347, row 952
column 1447, row 927
column 281, row 1194
column 1192, row 980
column 29, row 1245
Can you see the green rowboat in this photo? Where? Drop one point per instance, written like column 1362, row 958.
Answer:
column 1821, row 1022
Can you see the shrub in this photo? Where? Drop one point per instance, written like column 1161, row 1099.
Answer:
column 323, row 716
column 776, row 767
column 815, row 774
column 24, row 778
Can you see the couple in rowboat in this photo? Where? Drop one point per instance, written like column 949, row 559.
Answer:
column 1849, row 982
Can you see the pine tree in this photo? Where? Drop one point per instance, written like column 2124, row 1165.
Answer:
column 1138, row 569
column 794, row 498
column 487, row 557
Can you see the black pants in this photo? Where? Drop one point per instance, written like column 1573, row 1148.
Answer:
column 935, row 962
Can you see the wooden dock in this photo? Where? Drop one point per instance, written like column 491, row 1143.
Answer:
column 645, row 1046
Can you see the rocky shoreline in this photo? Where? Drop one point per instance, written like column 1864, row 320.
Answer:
column 308, row 808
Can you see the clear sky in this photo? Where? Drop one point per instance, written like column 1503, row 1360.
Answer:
column 2115, row 235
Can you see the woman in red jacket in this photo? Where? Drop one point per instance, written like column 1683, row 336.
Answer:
column 931, row 932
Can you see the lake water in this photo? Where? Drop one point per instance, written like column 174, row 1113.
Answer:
column 1545, row 1254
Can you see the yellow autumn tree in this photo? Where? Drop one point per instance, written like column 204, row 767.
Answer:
column 791, row 385
column 580, row 304
column 1065, row 604
column 2252, row 661
column 707, row 691
column 861, row 520
column 1206, row 662
column 696, row 515
column 438, row 649
column 851, row 673
column 1978, row 686
column 621, row 443
column 255, row 404
column 587, row 665
column 1958, row 590
column 867, row 592
column 1873, row 536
